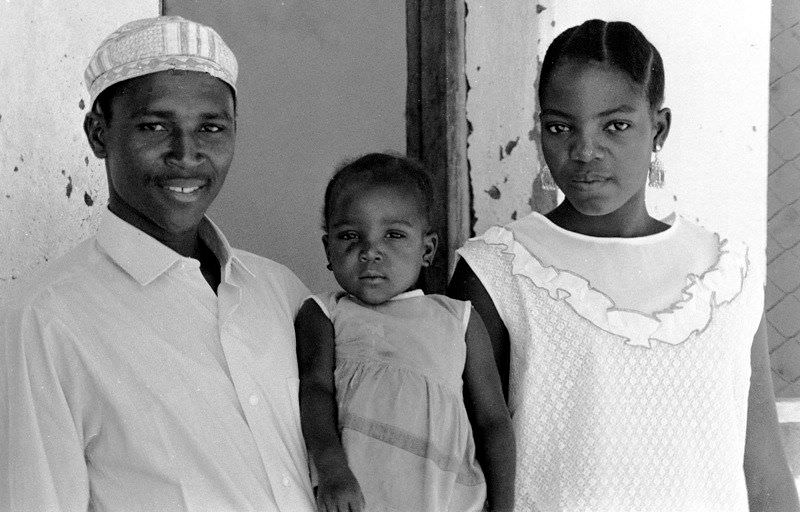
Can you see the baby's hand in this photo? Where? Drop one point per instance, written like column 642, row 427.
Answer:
column 338, row 491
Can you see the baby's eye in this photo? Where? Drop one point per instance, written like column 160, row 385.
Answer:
column 618, row 126
column 556, row 128
column 348, row 235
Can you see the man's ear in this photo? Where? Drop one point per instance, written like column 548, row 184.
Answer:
column 661, row 124
column 430, row 241
column 94, row 125
column 327, row 254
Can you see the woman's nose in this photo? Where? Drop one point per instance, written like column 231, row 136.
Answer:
column 584, row 149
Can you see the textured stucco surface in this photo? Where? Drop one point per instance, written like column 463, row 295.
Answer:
column 51, row 186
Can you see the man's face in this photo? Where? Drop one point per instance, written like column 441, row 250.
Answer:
column 168, row 145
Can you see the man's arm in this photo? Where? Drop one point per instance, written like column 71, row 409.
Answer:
column 42, row 463
column 770, row 486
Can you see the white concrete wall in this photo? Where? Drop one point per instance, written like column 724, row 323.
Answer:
column 716, row 55
column 51, row 186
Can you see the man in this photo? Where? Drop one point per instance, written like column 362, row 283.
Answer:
column 153, row 366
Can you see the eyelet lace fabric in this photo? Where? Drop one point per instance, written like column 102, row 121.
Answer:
column 617, row 410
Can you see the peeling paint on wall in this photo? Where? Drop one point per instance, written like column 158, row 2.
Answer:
column 510, row 145
column 43, row 151
column 502, row 49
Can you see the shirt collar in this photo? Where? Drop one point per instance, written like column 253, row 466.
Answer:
column 144, row 258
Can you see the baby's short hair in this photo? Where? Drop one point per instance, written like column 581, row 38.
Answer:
column 382, row 169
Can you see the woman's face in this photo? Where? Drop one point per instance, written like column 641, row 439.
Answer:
column 598, row 133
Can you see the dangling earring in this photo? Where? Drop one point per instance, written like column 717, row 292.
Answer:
column 547, row 179
column 656, row 175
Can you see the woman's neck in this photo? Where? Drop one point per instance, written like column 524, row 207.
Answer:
column 629, row 221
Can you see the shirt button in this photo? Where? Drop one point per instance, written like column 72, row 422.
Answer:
column 286, row 481
column 253, row 400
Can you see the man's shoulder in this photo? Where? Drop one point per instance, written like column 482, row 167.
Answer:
column 68, row 276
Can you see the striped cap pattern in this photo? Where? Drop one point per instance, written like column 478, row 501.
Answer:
column 158, row 44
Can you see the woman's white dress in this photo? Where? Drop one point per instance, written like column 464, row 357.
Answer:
column 630, row 364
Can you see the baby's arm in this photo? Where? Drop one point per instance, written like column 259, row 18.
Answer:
column 338, row 489
column 491, row 422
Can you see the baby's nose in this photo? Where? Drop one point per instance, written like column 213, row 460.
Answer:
column 370, row 252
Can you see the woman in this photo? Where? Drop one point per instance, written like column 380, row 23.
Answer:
column 625, row 342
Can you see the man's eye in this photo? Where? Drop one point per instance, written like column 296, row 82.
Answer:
column 618, row 126
column 212, row 128
column 152, row 127
column 395, row 234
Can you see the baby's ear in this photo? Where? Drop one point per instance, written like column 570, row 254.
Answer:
column 430, row 241
column 327, row 255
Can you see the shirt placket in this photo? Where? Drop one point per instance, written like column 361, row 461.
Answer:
column 251, row 396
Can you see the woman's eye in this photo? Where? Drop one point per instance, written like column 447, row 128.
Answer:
column 618, row 126
column 556, row 128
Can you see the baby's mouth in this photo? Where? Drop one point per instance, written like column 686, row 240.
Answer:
column 371, row 276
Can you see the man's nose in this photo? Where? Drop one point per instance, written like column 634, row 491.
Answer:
column 184, row 149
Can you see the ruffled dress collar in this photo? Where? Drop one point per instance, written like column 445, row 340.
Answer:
column 690, row 315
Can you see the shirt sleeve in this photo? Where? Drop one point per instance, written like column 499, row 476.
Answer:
column 296, row 291
column 42, row 466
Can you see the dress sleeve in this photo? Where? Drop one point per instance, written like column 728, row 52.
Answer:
column 42, row 466
column 491, row 260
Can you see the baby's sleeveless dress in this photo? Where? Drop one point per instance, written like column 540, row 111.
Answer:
column 617, row 409
column 402, row 418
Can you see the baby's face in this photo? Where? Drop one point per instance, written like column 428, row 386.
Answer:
column 377, row 241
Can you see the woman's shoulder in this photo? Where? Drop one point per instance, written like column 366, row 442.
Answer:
column 498, row 236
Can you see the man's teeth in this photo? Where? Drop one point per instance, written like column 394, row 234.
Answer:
column 183, row 190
